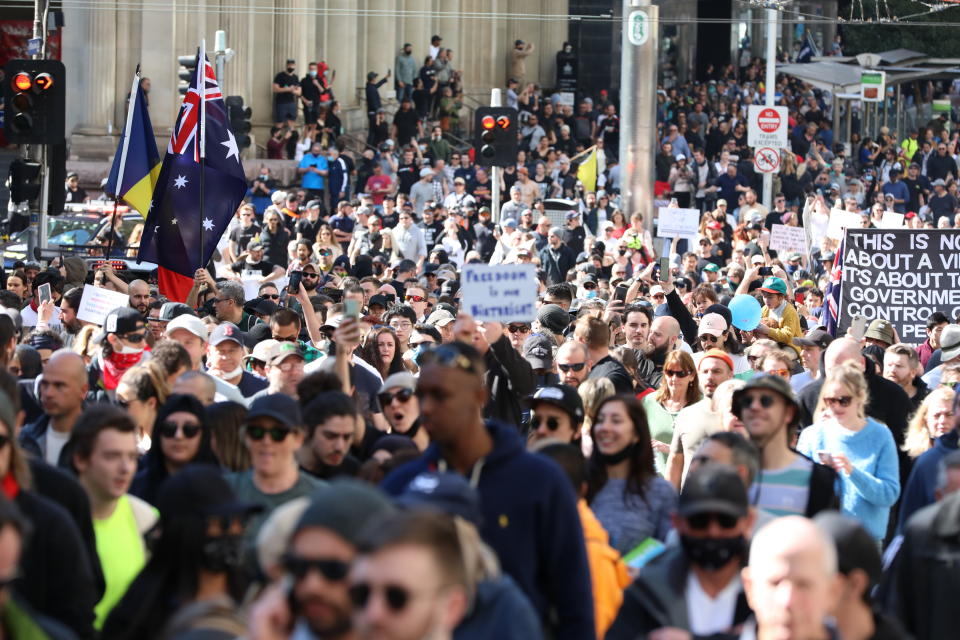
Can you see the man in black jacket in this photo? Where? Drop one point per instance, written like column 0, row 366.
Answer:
column 788, row 483
column 556, row 259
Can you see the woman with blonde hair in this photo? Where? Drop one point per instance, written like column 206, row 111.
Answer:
column 678, row 389
column 84, row 345
column 860, row 449
column 933, row 419
column 325, row 240
column 142, row 390
column 592, row 392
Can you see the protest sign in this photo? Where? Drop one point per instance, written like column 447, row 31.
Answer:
column 678, row 223
column 97, row 302
column 891, row 220
column 841, row 220
column 500, row 293
column 788, row 239
column 901, row 275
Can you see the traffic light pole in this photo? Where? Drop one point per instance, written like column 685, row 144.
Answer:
column 495, row 176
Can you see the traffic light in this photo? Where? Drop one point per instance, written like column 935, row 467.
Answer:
column 188, row 69
column 239, row 120
column 35, row 96
column 495, row 132
column 24, row 181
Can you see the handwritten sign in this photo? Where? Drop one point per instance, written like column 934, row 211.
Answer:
column 500, row 293
column 678, row 223
column 97, row 302
column 840, row 220
column 788, row 239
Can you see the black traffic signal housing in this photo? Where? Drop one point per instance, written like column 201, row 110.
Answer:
column 188, row 69
column 24, row 180
column 495, row 136
column 34, row 93
column 239, row 120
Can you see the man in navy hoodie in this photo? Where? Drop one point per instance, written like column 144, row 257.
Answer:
column 529, row 510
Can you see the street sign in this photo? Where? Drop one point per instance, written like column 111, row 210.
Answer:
column 873, row 85
column 766, row 160
column 767, row 127
column 638, row 25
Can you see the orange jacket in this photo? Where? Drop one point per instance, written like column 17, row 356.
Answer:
column 608, row 573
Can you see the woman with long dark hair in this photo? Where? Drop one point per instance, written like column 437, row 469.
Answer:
column 631, row 501
column 225, row 420
column 181, row 437
column 382, row 350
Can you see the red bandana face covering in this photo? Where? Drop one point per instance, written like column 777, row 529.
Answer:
column 115, row 365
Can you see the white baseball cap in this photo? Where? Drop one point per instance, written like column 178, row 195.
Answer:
column 193, row 324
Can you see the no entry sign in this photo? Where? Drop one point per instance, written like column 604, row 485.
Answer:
column 767, row 127
column 766, row 160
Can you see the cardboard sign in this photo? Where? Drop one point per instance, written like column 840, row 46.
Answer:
column 678, row 223
column 891, row 220
column 902, row 276
column 97, row 302
column 788, row 239
column 840, row 221
column 500, row 293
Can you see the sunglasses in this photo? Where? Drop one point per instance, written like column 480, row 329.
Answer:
column 552, row 423
column 304, row 274
column 577, row 366
column 766, row 401
column 701, row 521
column 267, row 296
column 414, row 345
column 843, row 401
column 396, row 597
column 285, row 338
column 950, row 385
column 299, row 567
column 708, row 337
column 676, row 373
column 783, row 373
column 416, row 299
column 170, row 429
column 518, row 328
column 403, row 395
column 277, row 434
column 326, row 252
column 133, row 337
column 589, row 286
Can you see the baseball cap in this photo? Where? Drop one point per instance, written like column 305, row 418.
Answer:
column 714, row 324
column 224, row 332
column 509, row 223
column 570, row 215
column 793, row 257
column 829, row 256
column 254, row 245
column 881, row 330
column 719, row 354
column 721, row 202
column 199, row 491
column 378, row 300
column 402, row 379
column 262, row 350
column 938, row 183
column 426, row 171
column 284, row 350
column 655, row 290
column 440, row 318
column 757, row 259
column 561, row 396
column 816, row 337
column 538, row 351
column 769, row 382
column 371, row 75
column 344, row 506
column 449, row 493
column 714, row 488
column 711, row 267
column 279, row 406
column 553, row 317
column 774, row 285
column 171, row 310
column 122, row 320
column 193, row 324
column 950, row 342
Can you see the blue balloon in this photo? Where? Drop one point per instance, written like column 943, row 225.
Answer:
column 745, row 311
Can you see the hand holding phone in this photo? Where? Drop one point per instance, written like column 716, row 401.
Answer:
column 620, row 293
column 293, row 288
column 45, row 293
column 351, row 307
column 664, row 269
column 765, row 271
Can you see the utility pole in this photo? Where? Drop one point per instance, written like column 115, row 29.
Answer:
column 638, row 100
column 495, row 175
column 37, row 234
column 770, row 85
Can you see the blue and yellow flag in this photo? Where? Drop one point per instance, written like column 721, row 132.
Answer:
column 136, row 165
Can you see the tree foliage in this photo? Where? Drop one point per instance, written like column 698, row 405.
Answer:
column 932, row 37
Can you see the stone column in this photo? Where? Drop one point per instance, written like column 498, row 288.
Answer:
column 383, row 41
column 97, row 34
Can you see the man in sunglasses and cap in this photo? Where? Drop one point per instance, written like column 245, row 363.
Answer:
column 122, row 344
column 695, row 587
column 789, row 483
column 556, row 414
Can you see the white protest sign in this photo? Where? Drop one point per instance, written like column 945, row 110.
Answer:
column 251, row 287
column 97, row 302
column 678, row 223
column 500, row 293
column 767, row 126
column 841, row 220
column 788, row 239
column 891, row 220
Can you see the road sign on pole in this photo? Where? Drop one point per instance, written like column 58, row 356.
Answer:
column 767, row 126
column 766, row 160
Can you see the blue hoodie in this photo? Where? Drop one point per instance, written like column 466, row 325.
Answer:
column 923, row 478
column 530, row 519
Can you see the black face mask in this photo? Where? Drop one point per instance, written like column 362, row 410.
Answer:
column 618, row 457
column 713, row 553
column 291, row 69
column 222, row 554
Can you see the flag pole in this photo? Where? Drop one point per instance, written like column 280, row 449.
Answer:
column 202, row 90
column 123, row 155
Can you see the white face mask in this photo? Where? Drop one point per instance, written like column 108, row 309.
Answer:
column 230, row 375
column 128, row 350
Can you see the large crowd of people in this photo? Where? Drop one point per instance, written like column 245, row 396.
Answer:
column 321, row 442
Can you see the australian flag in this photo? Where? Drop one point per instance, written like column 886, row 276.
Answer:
column 201, row 184
column 831, row 314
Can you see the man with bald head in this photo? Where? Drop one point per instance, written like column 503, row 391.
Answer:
column 139, row 292
column 887, row 401
column 573, row 363
column 791, row 581
column 661, row 340
column 198, row 384
column 63, row 388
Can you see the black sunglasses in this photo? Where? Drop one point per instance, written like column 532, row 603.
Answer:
column 518, row 328
column 578, row 366
column 766, row 401
column 552, row 423
column 299, row 567
column 397, row 597
column 701, row 521
column 266, row 296
column 169, row 429
column 277, row 434
column 306, row 274
column 403, row 395
column 133, row 337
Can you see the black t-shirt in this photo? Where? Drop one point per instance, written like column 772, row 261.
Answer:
column 574, row 238
column 916, row 189
column 262, row 268
column 431, row 232
column 284, row 79
column 407, row 176
column 310, row 91
column 390, row 220
column 308, row 229
column 243, row 236
column 406, row 123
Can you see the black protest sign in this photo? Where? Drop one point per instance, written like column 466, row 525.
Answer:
column 901, row 275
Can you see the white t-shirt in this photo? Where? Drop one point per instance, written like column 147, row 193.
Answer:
column 55, row 443
column 710, row 615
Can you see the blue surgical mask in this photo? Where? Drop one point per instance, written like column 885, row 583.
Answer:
column 421, row 349
column 313, row 74
column 592, row 293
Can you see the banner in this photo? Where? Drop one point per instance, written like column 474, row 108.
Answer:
column 902, row 276
column 500, row 293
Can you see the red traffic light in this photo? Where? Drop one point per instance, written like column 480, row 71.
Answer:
column 43, row 81
column 503, row 122
column 488, row 122
column 22, row 82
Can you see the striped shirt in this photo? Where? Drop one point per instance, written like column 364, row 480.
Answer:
column 784, row 492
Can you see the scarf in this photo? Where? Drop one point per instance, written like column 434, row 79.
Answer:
column 10, row 486
column 115, row 365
